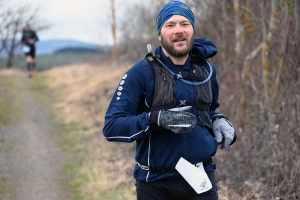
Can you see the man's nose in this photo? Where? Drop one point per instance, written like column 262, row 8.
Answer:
column 178, row 28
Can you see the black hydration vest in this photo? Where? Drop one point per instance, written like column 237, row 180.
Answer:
column 165, row 93
column 27, row 35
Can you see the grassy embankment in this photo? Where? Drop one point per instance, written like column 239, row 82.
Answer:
column 11, row 110
column 80, row 95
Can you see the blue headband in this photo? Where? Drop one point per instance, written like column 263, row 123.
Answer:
column 173, row 8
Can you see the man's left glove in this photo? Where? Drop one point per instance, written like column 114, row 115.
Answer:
column 223, row 129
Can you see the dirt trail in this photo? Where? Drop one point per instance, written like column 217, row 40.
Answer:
column 29, row 157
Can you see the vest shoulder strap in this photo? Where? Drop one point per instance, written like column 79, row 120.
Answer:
column 164, row 84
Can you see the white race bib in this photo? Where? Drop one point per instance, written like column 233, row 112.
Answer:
column 26, row 49
column 195, row 176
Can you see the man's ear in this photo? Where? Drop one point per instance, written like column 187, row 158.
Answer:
column 159, row 38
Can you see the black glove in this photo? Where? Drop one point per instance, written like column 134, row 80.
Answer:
column 177, row 120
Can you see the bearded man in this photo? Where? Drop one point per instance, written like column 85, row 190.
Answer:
column 167, row 103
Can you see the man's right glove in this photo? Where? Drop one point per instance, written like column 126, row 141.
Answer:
column 177, row 120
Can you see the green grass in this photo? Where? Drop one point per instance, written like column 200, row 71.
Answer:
column 6, row 186
column 70, row 140
column 11, row 106
column 11, row 110
column 5, row 147
column 47, row 61
column 38, row 83
column 40, row 89
column 78, row 168
column 75, row 179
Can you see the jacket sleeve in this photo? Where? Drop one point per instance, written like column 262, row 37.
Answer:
column 35, row 37
column 23, row 40
column 215, row 102
column 122, row 123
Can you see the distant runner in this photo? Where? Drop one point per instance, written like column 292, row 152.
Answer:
column 28, row 40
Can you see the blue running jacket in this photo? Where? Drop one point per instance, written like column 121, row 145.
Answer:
column 126, row 119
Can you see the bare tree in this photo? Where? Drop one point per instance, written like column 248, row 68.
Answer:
column 114, row 34
column 139, row 29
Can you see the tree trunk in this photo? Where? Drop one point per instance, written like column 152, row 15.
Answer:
column 12, row 47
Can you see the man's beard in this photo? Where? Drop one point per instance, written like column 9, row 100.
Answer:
column 173, row 52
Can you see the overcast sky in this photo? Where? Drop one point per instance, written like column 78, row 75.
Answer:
column 84, row 20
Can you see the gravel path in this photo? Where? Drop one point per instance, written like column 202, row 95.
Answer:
column 29, row 157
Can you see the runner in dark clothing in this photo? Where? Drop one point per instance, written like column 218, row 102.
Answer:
column 28, row 40
column 166, row 103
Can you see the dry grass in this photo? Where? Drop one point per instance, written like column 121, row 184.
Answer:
column 10, row 72
column 75, row 88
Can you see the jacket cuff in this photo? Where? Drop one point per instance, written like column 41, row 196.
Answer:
column 217, row 116
column 153, row 121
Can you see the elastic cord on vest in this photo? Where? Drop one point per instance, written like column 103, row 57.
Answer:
column 185, row 81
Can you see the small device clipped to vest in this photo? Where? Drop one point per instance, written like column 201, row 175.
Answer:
column 149, row 48
column 149, row 55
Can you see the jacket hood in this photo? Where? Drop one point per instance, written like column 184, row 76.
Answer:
column 205, row 47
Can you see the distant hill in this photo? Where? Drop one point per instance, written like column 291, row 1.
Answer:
column 76, row 50
column 50, row 46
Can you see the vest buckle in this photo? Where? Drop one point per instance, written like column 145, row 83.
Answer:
column 182, row 102
column 143, row 167
column 179, row 76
